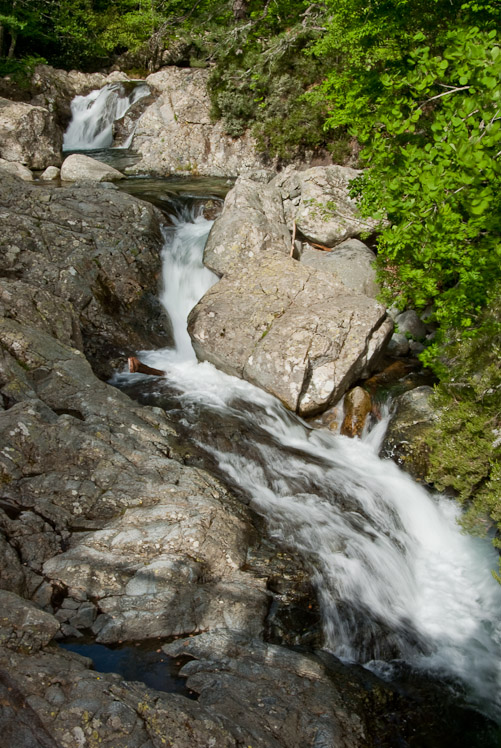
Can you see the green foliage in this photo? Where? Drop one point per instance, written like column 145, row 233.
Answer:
column 427, row 110
column 261, row 75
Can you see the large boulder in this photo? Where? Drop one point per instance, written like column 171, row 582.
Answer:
column 175, row 135
column 29, row 135
column 318, row 200
column 78, row 167
column 291, row 330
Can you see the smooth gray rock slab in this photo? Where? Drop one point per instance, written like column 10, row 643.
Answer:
column 50, row 173
column 78, row 167
column 410, row 323
column 398, row 345
column 297, row 333
column 351, row 262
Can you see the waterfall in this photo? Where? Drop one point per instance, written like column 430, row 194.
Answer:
column 396, row 578
column 92, row 116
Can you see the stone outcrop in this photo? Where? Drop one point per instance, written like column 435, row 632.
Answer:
column 102, row 524
column 252, row 222
column 81, row 264
column 290, row 328
column 175, row 135
column 260, row 682
column 78, row 167
column 28, row 134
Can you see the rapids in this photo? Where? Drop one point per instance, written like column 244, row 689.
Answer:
column 399, row 584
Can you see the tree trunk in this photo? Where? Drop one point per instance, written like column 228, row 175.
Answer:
column 13, row 40
column 240, row 9
column 2, row 31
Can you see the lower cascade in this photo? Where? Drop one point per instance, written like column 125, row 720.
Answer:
column 398, row 583
column 92, row 116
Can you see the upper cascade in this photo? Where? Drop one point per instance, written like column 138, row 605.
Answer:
column 92, row 119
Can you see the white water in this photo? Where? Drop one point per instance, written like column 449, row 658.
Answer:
column 92, row 116
column 396, row 578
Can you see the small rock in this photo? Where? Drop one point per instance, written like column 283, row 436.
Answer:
column 50, row 173
column 409, row 322
column 398, row 345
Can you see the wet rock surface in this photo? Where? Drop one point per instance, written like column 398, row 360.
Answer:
column 404, row 441
column 357, row 407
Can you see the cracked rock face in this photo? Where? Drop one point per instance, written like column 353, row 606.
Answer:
column 101, row 522
column 28, row 134
column 292, row 331
column 175, row 134
column 81, row 264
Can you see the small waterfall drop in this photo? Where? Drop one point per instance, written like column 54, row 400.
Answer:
column 92, row 116
column 396, row 578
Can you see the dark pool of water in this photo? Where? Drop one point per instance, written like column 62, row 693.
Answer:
column 144, row 662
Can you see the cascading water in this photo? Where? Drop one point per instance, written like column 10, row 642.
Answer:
column 396, row 578
column 92, row 116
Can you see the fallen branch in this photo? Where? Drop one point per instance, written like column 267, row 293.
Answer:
column 136, row 367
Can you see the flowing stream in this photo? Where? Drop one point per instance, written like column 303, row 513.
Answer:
column 396, row 579
column 92, row 116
